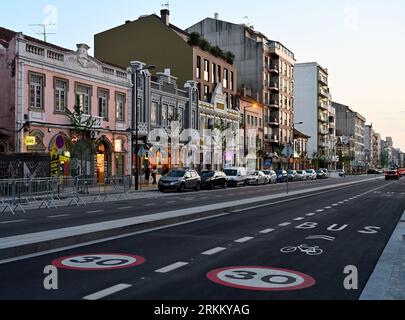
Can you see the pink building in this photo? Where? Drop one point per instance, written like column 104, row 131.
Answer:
column 38, row 82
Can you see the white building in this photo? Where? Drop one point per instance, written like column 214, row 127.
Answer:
column 313, row 107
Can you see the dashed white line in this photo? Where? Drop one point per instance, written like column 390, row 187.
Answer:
column 320, row 210
column 310, row 214
column 243, row 240
column 95, row 211
column 335, row 205
column 149, row 204
column 12, row 221
column 213, row 251
column 59, row 216
column 328, row 207
column 341, row 202
column 284, row 224
column 172, row 267
column 266, row 231
column 299, row 219
column 124, row 208
column 106, row 292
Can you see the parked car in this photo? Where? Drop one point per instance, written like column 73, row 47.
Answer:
column 312, row 174
column 302, row 175
column 212, row 179
column 392, row 174
column 373, row 171
column 402, row 172
column 236, row 176
column 282, row 175
column 342, row 173
column 180, row 180
column 258, row 177
column 320, row 174
column 271, row 176
column 292, row 175
column 324, row 170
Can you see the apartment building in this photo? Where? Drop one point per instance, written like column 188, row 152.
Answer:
column 39, row 82
column 352, row 123
column 265, row 68
column 369, row 135
column 313, row 107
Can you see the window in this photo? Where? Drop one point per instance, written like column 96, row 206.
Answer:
column 199, row 91
column 206, row 70
column 193, row 119
column 206, row 93
column 225, row 79
column 37, row 91
column 181, row 117
column 213, row 72
column 83, row 98
column 120, row 101
column 60, row 95
column 231, row 84
column 198, row 70
column 164, row 115
column 170, row 114
column 103, row 104
column 153, row 113
column 231, row 102
column 218, row 74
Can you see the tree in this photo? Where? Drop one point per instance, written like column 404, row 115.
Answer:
column 194, row 39
column 229, row 57
column 82, row 125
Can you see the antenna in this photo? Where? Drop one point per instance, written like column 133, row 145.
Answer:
column 166, row 5
column 248, row 22
column 43, row 33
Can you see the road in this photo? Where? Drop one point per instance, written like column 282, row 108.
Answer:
column 192, row 261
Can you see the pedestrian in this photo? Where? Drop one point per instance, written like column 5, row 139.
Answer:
column 154, row 174
column 147, row 174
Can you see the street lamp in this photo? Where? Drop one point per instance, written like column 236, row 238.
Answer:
column 135, row 76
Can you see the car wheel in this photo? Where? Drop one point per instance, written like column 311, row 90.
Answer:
column 162, row 190
column 225, row 185
column 212, row 187
column 198, row 187
column 182, row 187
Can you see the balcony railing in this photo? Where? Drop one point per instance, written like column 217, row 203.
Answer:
column 274, row 68
column 273, row 121
column 98, row 121
column 323, row 118
column 274, row 86
column 323, row 130
column 271, row 138
column 273, row 103
column 323, row 105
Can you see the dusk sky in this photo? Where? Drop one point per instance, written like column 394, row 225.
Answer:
column 361, row 42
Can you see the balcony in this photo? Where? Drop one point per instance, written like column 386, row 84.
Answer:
column 324, row 93
column 274, row 86
column 323, row 105
column 323, row 118
column 323, row 130
column 272, row 138
column 98, row 121
column 272, row 121
column 322, row 144
column 273, row 104
column 274, row 68
column 323, row 80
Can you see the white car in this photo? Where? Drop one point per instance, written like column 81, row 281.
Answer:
column 236, row 176
column 271, row 176
column 311, row 174
column 258, row 177
column 302, row 175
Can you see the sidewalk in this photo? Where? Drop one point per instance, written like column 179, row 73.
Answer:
column 387, row 282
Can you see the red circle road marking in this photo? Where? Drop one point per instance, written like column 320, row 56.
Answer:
column 138, row 261
column 308, row 281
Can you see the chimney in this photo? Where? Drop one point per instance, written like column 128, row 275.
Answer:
column 216, row 15
column 165, row 16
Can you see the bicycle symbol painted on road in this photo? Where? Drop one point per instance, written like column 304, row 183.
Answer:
column 311, row 251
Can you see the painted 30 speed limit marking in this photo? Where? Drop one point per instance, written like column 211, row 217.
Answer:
column 261, row 278
column 99, row 261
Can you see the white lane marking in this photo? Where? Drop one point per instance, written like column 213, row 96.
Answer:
column 284, row 224
column 106, row 292
column 341, row 202
column 124, row 208
column 213, row 251
column 150, row 204
column 320, row 210
column 321, row 237
column 335, row 205
column 310, row 214
column 169, row 202
column 266, row 231
column 346, row 200
column 12, row 221
column 243, row 240
column 172, row 267
column 59, row 216
column 299, row 219
column 95, row 211
column 328, row 207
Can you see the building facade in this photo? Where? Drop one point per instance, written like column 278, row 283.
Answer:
column 313, row 107
column 41, row 82
column 351, row 123
column 265, row 69
column 301, row 157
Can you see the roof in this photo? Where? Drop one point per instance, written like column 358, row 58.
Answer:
column 7, row 35
column 299, row 134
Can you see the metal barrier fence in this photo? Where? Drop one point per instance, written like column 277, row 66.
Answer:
column 18, row 194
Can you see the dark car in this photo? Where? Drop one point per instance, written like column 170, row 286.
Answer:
column 180, row 180
column 282, row 175
column 392, row 174
column 320, row 174
column 212, row 179
column 373, row 171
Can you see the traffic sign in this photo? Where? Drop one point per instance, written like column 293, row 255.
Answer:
column 98, row 261
column 261, row 278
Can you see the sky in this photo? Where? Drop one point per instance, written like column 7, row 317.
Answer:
column 361, row 42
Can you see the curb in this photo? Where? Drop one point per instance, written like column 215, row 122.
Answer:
column 34, row 243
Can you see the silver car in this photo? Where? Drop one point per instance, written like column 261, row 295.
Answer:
column 311, row 174
column 302, row 175
column 271, row 176
column 258, row 177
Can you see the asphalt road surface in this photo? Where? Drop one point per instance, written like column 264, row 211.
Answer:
column 295, row 249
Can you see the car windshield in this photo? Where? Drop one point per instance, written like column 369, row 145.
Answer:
column 279, row 171
column 290, row 171
column 231, row 173
column 300, row 172
column 309, row 171
column 176, row 173
column 267, row 172
column 208, row 174
column 319, row 171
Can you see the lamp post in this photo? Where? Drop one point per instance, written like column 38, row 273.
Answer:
column 135, row 114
